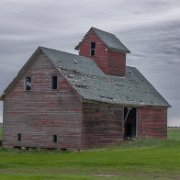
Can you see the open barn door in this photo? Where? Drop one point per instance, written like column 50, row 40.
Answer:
column 130, row 122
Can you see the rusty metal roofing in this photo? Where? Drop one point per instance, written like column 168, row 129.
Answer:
column 110, row 40
column 92, row 84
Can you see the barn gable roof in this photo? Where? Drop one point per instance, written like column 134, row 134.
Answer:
column 110, row 40
column 92, row 84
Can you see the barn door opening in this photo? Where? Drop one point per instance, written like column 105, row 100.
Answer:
column 130, row 122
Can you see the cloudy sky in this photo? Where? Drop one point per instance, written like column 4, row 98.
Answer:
column 149, row 28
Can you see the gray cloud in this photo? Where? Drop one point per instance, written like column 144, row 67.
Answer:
column 151, row 29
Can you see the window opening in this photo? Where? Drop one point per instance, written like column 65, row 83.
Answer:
column 93, row 48
column 28, row 83
column 19, row 137
column 54, row 138
column 54, row 82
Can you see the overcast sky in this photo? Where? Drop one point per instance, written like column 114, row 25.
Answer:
column 149, row 28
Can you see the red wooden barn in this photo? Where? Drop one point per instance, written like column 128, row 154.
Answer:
column 66, row 101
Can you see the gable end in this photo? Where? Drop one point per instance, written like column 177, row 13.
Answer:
column 21, row 72
column 109, row 40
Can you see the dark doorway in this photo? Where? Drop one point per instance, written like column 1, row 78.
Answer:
column 129, row 122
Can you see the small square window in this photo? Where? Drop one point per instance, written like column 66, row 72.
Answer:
column 54, row 138
column 19, row 136
column 54, row 82
column 28, row 83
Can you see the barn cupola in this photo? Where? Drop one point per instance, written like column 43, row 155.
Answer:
column 106, row 49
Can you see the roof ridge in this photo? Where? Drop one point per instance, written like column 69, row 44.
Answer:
column 109, row 39
column 103, row 31
column 41, row 47
column 73, row 54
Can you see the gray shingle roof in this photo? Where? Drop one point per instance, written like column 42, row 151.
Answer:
column 92, row 84
column 110, row 40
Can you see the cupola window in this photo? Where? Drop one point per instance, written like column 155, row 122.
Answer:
column 93, row 48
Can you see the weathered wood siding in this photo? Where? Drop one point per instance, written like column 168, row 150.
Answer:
column 110, row 62
column 101, row 125
column 42, row 112
column 152, row 122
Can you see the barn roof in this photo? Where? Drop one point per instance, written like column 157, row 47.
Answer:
column 92, row 84
column 110, row 40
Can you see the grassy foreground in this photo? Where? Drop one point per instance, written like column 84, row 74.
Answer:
column 174, row 134
column 141, row 159
column 0, row 131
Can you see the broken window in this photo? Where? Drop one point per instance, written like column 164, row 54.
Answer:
column 19, row 137
column 54, row 138
column 54, row 82
column 28, row 83
column 93, row 48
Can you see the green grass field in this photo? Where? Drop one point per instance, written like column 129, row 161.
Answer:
column 174, row 133
column 140, row 159
column 0, row 131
